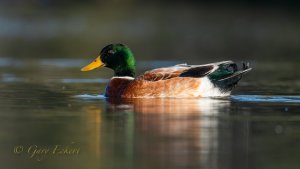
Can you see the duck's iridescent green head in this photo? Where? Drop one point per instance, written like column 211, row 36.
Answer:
column 117, row 57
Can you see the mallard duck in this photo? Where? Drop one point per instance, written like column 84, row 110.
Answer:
column 179, row 81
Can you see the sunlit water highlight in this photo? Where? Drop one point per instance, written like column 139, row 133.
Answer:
column 267, row 98
column 90, row 97
column 236, row 98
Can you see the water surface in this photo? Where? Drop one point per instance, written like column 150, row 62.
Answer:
column 50, row 102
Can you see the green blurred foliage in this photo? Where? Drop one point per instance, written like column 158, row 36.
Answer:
column 190, row 30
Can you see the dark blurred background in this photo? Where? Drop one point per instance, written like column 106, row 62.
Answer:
column 265, row 30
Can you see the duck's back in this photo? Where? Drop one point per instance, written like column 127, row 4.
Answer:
column 181, row 70
column 181, row 81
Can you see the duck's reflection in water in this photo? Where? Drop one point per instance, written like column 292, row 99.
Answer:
column 160, row 133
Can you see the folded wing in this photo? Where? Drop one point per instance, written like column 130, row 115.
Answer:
column 181, row 70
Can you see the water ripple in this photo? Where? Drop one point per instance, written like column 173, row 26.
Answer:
column 97, row 80
column 271, row 99
column 90, row 97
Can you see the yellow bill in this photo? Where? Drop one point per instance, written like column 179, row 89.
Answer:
column 97, row 63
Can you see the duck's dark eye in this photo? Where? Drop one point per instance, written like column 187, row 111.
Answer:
column 110, row 52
